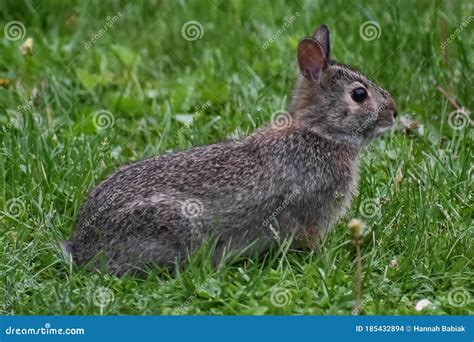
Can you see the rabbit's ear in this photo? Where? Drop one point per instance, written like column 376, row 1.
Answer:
column 322, row 36
column 311, row 58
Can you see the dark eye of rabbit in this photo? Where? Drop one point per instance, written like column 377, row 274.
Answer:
column 359, row 94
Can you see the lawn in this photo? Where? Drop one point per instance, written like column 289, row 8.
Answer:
column 104, row 83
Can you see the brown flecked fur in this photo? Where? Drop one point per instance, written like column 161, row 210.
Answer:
column 286, row 181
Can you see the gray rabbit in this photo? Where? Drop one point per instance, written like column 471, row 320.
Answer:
column 290, row 180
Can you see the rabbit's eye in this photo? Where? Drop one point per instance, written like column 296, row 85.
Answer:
column 359, row 94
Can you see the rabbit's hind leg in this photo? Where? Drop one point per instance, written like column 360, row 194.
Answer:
column 137, row 255
column 158, row 238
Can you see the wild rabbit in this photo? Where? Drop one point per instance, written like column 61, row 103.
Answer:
column 291, row 179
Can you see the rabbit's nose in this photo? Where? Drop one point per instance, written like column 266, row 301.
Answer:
column 393, row 107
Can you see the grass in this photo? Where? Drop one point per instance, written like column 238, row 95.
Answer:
column 150, row 80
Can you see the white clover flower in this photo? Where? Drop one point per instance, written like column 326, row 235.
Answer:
column 423, row 304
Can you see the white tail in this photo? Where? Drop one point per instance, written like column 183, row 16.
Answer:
column 66, row 249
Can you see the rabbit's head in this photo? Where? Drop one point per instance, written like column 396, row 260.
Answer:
column 335, row 100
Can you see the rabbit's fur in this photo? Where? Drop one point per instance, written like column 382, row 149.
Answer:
column 291, row 179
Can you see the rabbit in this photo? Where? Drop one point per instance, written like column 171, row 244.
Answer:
column 288, row 181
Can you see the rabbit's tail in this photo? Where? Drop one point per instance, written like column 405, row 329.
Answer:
column 66, row 249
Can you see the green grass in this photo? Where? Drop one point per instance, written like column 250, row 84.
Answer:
column 145, row 74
